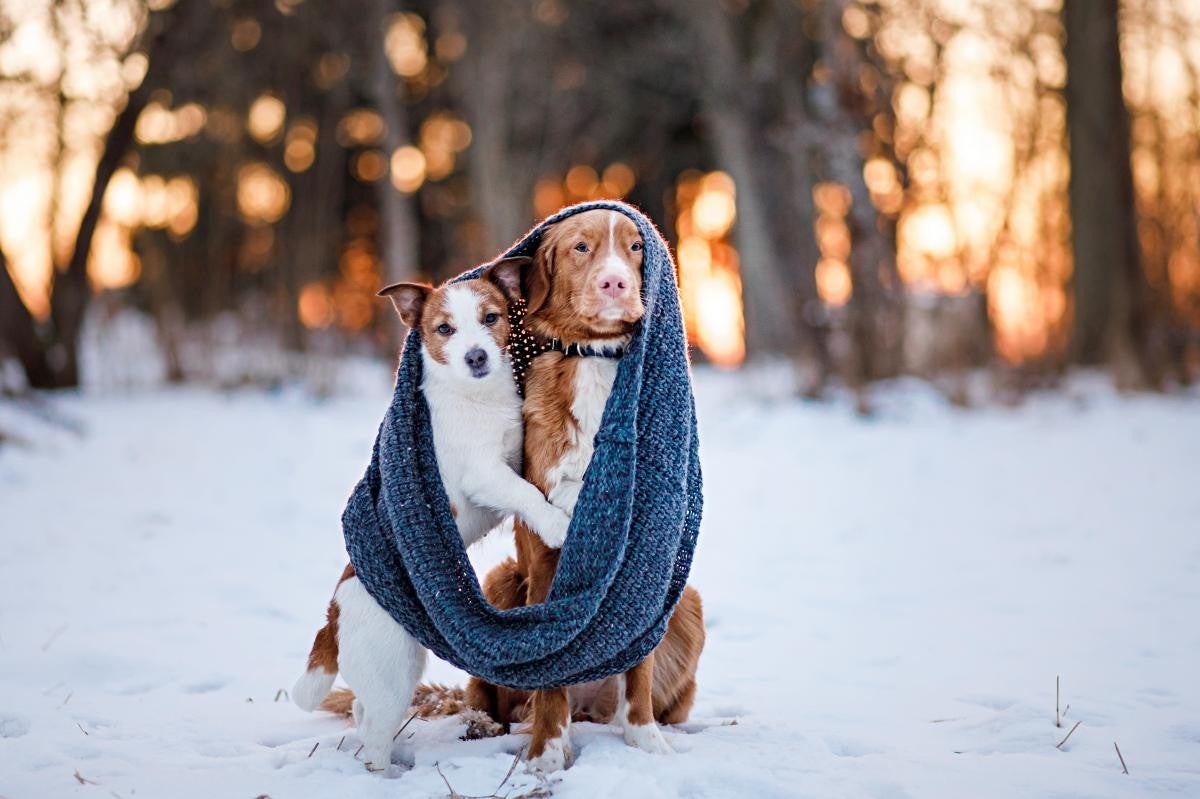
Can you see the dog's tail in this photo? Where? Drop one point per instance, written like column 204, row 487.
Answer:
column 314, row 684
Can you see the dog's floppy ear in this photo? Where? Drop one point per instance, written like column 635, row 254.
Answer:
column 539, row 276
column 409, row 299
column 506, row 273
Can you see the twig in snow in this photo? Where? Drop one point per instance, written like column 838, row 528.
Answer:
column 279, row 693
column 84, row 780
column 1057, row 718
column 494, row 794
column 453, row 793
column 54, row 636
column 511, row 769
column 81, row 729
column 1064, row 740
column 68, row 699
column 341, row 742
column 1124, row 768
column 404, row 725
column 356, row 751
column 1065, row 709
column 310, row 751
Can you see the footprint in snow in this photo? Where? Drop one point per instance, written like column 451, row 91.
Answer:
column 206, row 686
column 848, row 747
column 13, row 726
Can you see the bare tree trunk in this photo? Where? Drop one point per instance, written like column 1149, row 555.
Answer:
column 397, row 216
column 1110, row 288
column 774, row 235
column 18, row 332
column 876, row 328
column 71, row 290
column 502, row 173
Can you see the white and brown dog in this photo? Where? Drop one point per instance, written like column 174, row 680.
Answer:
column 477, row 434
column 584, row 292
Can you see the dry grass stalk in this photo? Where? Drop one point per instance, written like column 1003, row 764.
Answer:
column 1124, row 768
column 537, row 792
column 404, row 725
column 1064, row 740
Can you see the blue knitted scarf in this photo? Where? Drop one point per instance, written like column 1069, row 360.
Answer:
column 628, row 549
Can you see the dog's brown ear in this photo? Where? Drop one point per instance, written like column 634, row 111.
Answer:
column 539, row 276
column 409, row 299
column 506, row 273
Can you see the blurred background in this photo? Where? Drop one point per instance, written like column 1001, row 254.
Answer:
column 213, row 190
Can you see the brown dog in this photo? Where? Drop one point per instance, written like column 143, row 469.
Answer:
column 583, row 288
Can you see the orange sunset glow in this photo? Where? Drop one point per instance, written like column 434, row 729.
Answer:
column 972, row 172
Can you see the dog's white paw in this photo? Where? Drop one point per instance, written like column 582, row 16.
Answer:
column 555, row 757
column 553, row 527
column 378, row 759
column 648, row 738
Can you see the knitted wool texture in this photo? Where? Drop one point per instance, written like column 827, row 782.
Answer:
column 630, row 543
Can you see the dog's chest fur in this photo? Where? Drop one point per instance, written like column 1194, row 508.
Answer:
column 591, row 386
column 475, row 433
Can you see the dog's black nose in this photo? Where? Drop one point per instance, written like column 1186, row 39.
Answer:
column 476, row 359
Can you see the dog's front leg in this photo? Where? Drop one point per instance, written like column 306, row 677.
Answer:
column 503, row 490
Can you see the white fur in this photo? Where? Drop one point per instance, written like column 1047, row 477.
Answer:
column 617, row 267
column 477, row 436
column 557, row 754
column 382, row 663
column 594, row 379
column 311, row 688
column 647, row 737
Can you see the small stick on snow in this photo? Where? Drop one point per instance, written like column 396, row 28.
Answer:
column 494, row 794
column 84, row 780
column 81, row 729
column 1124, row 767
column 356, row 751
column 1065, row 709
column 404, row 725
column 1057, row 718
column 1064, row 740
column 453, row 793
column 310, row 751
column 54, row 636
column 511, row 769
column 279, row 693
column 341, row 742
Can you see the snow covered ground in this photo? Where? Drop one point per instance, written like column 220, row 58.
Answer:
column 889, row 601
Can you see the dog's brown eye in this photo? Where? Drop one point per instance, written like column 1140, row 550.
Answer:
column 444, row 329
column 581, row 247
column 636, row 246
column 491, row 319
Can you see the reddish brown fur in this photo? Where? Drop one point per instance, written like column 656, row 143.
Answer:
column 324, row 652
column 674, row 661
column 563, row 304
column 421, row 305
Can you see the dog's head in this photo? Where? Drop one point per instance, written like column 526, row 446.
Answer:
column 464, row 326
column 585, row 282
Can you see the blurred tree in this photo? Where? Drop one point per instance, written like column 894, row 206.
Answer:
column 1112, row 296
column 754, row 100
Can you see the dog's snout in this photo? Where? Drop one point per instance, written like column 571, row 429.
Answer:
column 476, row 359
column 613, row 284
